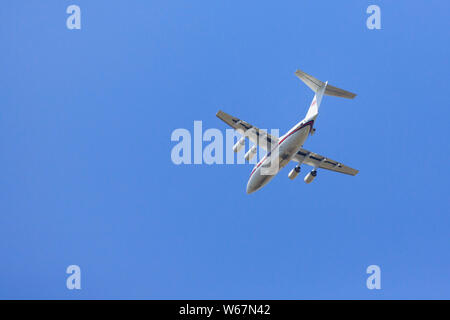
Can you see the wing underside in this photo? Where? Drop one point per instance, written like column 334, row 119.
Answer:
column 259, row 137
column 318, row 161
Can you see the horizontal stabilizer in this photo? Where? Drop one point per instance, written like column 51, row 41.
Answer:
column 315, row 84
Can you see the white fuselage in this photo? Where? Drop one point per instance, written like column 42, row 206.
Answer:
column 280, row 155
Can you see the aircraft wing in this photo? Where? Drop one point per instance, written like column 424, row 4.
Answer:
column 257, row 136
column 316, row 160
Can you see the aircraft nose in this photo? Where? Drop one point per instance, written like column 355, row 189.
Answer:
column 251, row 187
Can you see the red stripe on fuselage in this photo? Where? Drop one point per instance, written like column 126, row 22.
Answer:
column 311, row 122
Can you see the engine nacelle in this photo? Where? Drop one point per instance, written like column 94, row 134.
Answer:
column 310, row 176
column 294, row 173
column 250, row 154
column 238, row 146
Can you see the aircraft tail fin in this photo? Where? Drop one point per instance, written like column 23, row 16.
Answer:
column 313, row 110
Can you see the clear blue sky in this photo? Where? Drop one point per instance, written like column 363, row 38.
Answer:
column 87, row 179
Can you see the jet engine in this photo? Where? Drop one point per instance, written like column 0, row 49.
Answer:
column 238, row 146
column 250, row 154
column 294, row 173
column 310, row 176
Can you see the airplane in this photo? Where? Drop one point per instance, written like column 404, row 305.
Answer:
column 288, row 147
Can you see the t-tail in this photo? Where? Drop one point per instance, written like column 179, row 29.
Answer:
column 320, row 88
